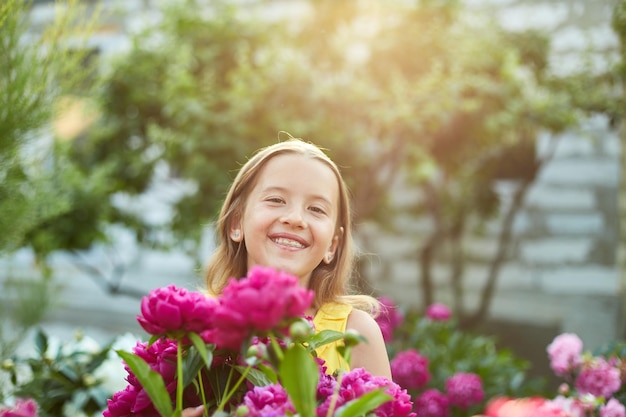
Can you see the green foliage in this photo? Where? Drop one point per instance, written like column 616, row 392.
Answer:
column 33, row 75
column 58, row 378
column 450, row 350
column 25, row 304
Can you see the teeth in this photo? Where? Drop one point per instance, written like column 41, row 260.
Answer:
column 289, row 242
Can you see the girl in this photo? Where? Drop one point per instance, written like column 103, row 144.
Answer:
column 288, row 209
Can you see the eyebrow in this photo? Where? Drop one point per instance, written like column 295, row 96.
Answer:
column 285, row 190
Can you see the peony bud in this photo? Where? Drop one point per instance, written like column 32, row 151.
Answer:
column 242, row 411
column 299, row 330
column 8, row 365
column 352, row 338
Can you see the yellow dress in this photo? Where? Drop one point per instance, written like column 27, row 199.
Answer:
column 332, row 316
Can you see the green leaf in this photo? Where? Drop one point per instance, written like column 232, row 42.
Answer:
column 41, row 342
column 324, row 337
column 269, row 373
column 201, row 346
column 257, row 377
column 151, row 381
column 192, row 363
column 299, row 376
column 364, row 404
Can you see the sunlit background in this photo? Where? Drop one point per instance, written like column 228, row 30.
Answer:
column 480, row 140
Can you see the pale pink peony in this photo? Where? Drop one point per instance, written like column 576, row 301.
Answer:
column 562, row 406
column 524, row 407
column 173, row 312
column 24, row 407
column 565, row 353
column 432, row 403
column 613, row 408
column 410, row 369
column 464, row 389
column 389, row 318
column 264, row 301
column 270, row 400
column 598, row 378
column 438, row 312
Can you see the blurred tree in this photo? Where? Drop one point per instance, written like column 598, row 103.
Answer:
column 36, row 70
column 421, row 95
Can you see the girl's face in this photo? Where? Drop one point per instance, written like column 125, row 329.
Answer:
column 289, row 222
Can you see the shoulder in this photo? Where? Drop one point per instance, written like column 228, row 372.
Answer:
column 364, row 324
column 372, row 354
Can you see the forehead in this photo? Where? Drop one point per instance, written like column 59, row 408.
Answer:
column 299, row 172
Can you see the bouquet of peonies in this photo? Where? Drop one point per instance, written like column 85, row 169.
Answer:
column 249, row 352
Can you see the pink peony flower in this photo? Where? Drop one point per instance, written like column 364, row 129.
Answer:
column 464, row 389
column 438, row 312
column 161, row 357
column 410, row 369
column 565, row 353
column 121, row 403
column 24, row 407
column 172, row 311
column 389, row 318
column 400, row 405
column 270, row 400
column 598, row 378
column 357, row 382
column 262, row 302
column 432, row 403
column 613, row 408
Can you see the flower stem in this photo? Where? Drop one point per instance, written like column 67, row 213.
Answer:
column 202, row 393
column 276, row 347
column 234, row 388
column 179, row 376
column 333, row 399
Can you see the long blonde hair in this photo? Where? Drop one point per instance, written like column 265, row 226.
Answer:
column 330, row 282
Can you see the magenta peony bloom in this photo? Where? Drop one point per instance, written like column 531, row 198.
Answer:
column 565, row 353
column 598, row 378
column 400, row 405
column 161, row 357
column 122, row 403
column 172, row 311
column 465, row 389
column 262, row 302
column 389, row 318
column 432, row 403
column 24, row 407
column 357, row 382
column 612, row 408
column 438, row 312
column 268, row 400
column 410, row 369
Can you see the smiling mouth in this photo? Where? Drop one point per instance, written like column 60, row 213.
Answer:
column 288, row 242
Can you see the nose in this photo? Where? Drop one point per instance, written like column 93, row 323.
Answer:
column 293, row 217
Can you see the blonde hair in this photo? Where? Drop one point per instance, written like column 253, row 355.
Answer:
column 330, row 282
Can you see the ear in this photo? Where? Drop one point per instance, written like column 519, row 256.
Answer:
column 330, row 253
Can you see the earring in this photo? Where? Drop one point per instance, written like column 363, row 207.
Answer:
column 329, row 258
column 235, row 234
